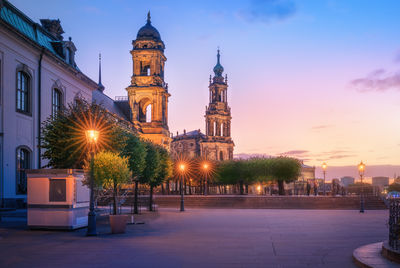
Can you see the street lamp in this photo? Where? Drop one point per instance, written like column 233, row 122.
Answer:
column 361, row 169
column 205, row 167
column 182, row 169
column 92, row 136
column 324, row 166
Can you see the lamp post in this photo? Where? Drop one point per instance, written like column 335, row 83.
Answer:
column 205, row 167
column 324, row 166
column 361, row 169
column 182, row 168
column 91, row 137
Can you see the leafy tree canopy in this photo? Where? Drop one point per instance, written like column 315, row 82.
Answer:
column 110, row 170
column 135, row 150
column 394, row 187
column 64, row 139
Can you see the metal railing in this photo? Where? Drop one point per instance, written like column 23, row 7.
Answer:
column 394, row 223
column 121, row 98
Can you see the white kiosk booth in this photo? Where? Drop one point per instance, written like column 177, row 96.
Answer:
column 57, row 199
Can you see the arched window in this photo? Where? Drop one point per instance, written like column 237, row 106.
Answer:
column 215, row 129
column 56, row 101
column 221, row 155
column 23, row 161
column 222, row 129
column 23, row 92
column 148, row 113
column 145, row 69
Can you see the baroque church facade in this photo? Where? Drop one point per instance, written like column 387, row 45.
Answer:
column 216, row 143
column 146, row 106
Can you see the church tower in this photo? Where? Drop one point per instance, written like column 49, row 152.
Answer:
column 218, row 144
column 148, row 93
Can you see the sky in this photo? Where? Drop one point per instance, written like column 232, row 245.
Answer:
column 318, row 79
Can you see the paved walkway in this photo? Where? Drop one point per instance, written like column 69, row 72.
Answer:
column 203, row 238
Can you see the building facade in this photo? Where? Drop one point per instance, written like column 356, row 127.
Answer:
column 347, row 180
column 216, row 143
column 38, row 75
column 380, row 182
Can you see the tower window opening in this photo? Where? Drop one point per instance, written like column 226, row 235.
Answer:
column 214, row 129
column 221, row 155
column 222, row 130
column 148, row 113
column 145, row 69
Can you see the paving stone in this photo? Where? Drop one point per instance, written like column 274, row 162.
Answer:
column 203, row 238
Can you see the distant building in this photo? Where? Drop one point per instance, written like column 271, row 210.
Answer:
column 307, row 173
column 347, row 180
column 380, row 181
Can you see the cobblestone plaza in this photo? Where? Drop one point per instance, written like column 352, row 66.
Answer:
column 203, row 238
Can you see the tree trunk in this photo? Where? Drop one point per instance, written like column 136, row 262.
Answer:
column 247, row 188
column 167, row 186
column 190, row 186
column 241, row 188
column 176, row 186
column 184, row 186
column 115, row 193
column 281, row 187
column 135, row 202
column 151, row 199
column 162, row 188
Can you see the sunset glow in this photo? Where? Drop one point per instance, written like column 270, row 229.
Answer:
column 314, row 80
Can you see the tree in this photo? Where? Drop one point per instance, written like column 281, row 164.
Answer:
column 165, row 169
column 110, row 171
column 63, row 135
column 135, row 150
column 284, row 169
column 152, row 169
column 394, row 187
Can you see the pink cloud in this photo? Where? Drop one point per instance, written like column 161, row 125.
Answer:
column 378, row 80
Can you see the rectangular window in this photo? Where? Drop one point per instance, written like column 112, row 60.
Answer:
column 23, row 92
column 57, row 190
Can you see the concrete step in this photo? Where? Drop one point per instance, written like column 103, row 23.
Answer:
column 369, row 256
column 269, row 202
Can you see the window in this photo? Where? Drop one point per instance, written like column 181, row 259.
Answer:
column 56, row 101
column 23, row 163
column 221, row 155
column 145, row 69
column 148, row 113
column 23, row 93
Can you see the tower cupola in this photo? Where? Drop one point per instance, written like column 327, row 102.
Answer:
column 148, row 32
column 218, row 69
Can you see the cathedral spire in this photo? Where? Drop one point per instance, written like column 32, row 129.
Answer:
column 100, row 85
column 218, row 69
column 148, row 17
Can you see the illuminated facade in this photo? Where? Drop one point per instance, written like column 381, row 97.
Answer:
column 148, row 93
